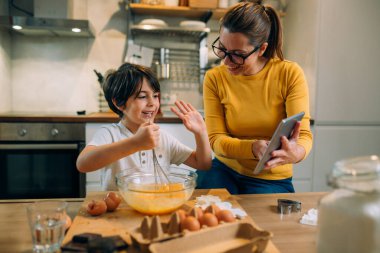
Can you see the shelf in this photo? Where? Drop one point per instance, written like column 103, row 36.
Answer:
column 180, row 11
column 175, row 11
column 170, row 31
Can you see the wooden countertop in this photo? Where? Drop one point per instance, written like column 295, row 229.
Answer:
column 97, row 117
column 289, row 234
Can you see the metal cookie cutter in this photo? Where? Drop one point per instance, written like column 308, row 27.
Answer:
column 286, row 206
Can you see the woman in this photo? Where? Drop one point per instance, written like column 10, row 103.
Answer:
column 246, row 97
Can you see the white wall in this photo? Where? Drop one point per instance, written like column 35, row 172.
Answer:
column 53, row 74
column 5, row 65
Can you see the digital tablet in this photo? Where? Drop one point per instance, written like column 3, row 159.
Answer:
column 284, row 128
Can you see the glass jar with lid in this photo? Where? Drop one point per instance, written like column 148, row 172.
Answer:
column 349, row 217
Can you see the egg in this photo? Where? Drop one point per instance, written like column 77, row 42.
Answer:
column 225, row 216
column 190, row 223
column 196, row 212
column 209, row 220
column 214, row 209
column 182, row 214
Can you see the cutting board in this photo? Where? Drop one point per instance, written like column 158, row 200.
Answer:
column 125, row 219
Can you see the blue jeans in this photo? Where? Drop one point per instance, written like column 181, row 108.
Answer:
column 222, row 176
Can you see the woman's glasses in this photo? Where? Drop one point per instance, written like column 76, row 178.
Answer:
column 235, row 58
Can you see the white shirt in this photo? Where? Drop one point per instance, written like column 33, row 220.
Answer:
column 169, row 151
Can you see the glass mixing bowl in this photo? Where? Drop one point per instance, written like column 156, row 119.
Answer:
column 149, row 194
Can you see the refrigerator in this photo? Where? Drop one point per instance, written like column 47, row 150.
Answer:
column 337, row 43
column 347, row 98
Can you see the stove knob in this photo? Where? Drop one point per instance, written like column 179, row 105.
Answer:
column 22, row 132
column 54, row 132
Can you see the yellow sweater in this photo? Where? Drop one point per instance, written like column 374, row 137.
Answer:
column 241, row 109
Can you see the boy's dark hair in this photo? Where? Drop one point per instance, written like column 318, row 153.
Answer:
column 119, row 85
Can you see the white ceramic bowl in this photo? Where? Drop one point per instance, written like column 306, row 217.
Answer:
column 154, row 22
column 192, row 24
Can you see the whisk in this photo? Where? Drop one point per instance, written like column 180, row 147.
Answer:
column 161, row 178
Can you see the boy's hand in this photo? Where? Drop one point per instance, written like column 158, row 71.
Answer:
column 190, row 117
column 148, row 135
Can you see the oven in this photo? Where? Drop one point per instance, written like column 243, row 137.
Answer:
column 38, row 160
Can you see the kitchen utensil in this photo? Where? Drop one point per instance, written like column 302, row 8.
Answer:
column 163, row 67
column 162, row 70
column 100, row 77
column 286, row 206
column 139, row 189
column 160, row 177
column 103, row 104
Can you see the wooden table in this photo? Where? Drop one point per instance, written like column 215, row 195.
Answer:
column 289, row 234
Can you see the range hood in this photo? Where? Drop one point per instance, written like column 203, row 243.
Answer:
column 47, row 26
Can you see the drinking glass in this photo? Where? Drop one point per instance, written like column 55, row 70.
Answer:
column 47, row 224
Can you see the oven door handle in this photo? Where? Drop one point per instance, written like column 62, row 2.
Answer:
column 39, row 146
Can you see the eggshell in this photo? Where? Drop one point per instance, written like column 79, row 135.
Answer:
column 96, row 207
column 209, row 220
column 190, row 223
column 226, row 216
column 112, row 201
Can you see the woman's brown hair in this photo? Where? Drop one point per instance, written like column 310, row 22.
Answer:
column 259, row 23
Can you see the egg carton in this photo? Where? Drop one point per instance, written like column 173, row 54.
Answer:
column 237, row 237
column 152, row 230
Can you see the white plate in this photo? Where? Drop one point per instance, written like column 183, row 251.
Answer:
column 192, row 24
column 155, row 22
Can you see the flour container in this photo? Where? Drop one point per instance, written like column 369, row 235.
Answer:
column 349, row 217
